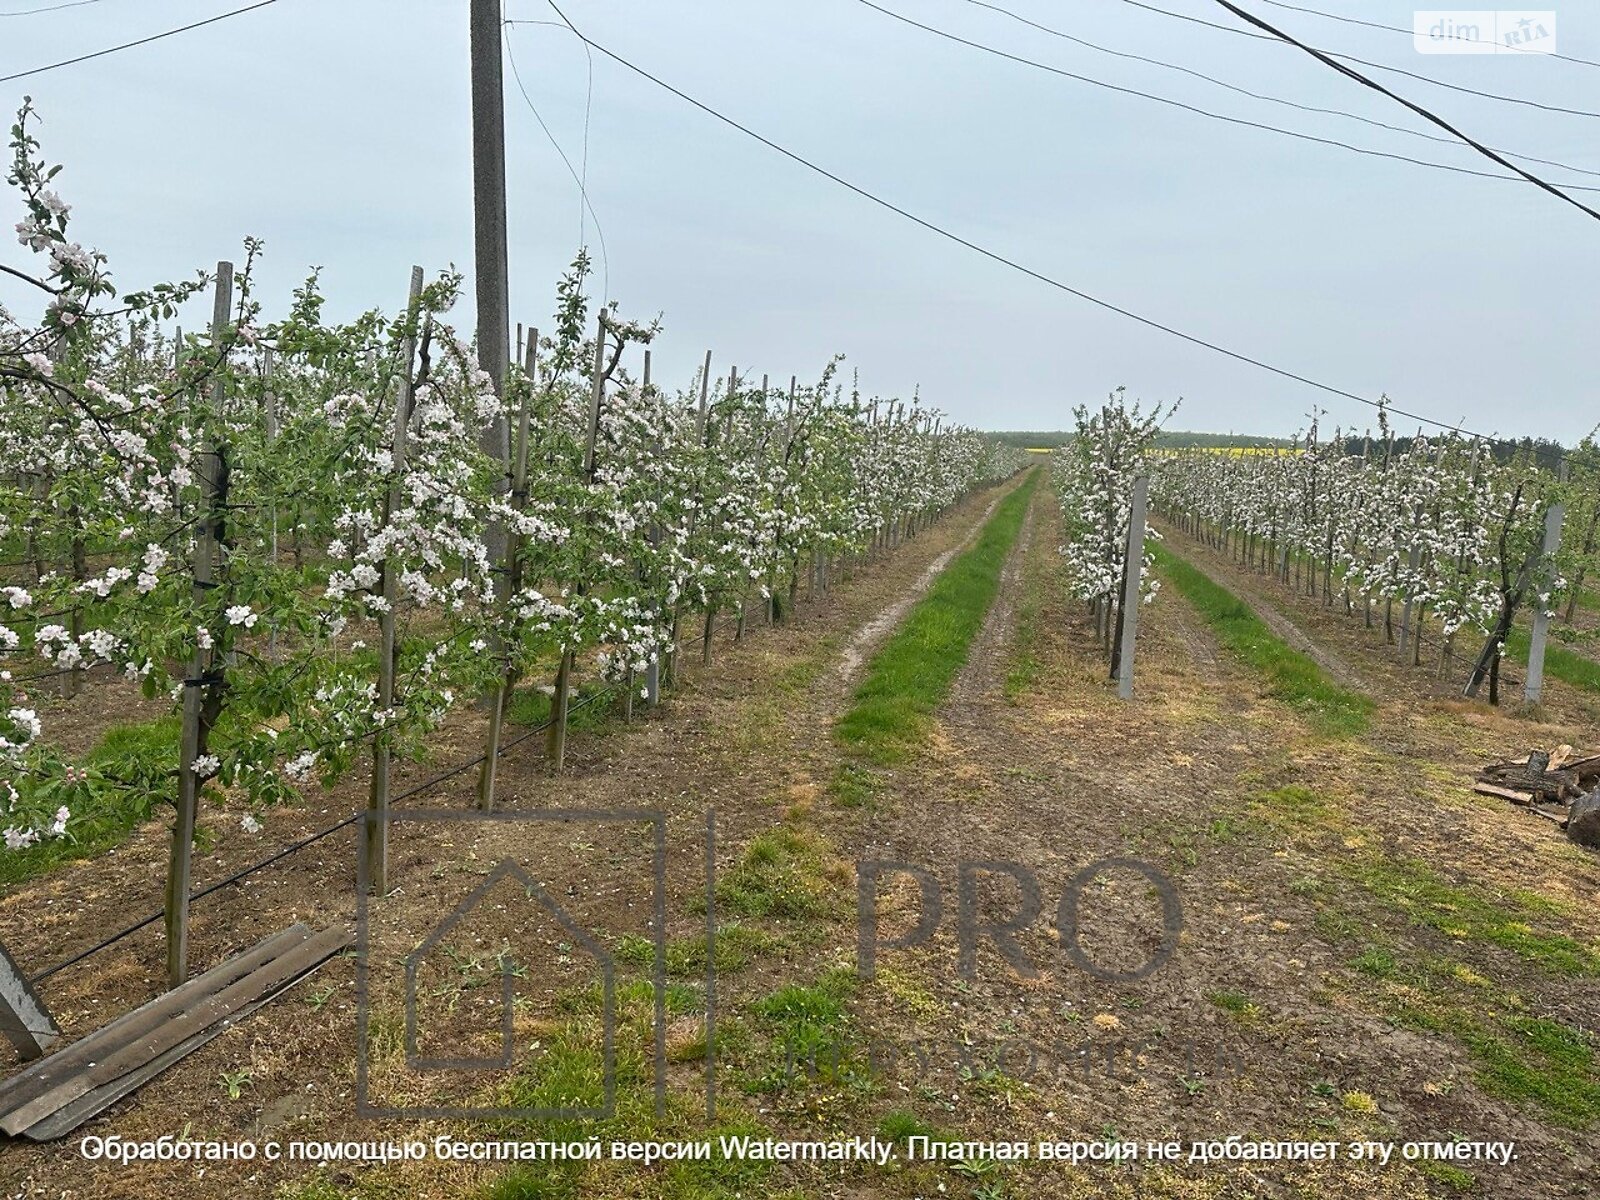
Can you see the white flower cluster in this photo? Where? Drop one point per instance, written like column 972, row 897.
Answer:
column 1440, row 524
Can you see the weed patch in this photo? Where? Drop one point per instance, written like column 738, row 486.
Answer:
column 1466, row 914
column 780, row 876
column 134, row 768
column 737, row 946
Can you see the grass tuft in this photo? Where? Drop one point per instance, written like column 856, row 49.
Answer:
column 779, row 875
column 134, row 768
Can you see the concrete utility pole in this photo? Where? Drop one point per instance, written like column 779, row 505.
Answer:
column 1133, row 566
column 1533, row 685
column 489, row 225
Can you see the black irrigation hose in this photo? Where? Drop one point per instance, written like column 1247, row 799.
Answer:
column 294, row 847
column 311, row 839
column 1423, row 638
column 196, row 895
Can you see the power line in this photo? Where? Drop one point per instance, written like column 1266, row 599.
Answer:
column 995, row 256
column 1203, row 112
column 588, row 109
column 49, row 8
column 1416, row 108
column 1242, row 91
column 1428, row 79
column 583, row 190
column 1412, row 33
column 145, row 41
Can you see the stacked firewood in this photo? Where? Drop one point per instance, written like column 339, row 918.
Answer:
column 1560, row 784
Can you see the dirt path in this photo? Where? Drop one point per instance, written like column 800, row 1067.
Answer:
column 1310, row 991
column 989, row 657
column 866, row 638
column 1286, row 630
column 1366, row 950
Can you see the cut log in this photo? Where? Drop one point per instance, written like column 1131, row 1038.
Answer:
column 1583, row 822
column 1588, row 768
column 1516, row 797
column 1533, row 777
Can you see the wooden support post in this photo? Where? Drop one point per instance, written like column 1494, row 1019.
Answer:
column 1132, row 572
column 198, row 686
column 1413, row 560
column 652, row 673
column 777, row 550
column 1533, row 685
column 711, row 601
column 653, row 669
column 514, row 547
column 269, row 428
column 375, row 842
column 702, row 434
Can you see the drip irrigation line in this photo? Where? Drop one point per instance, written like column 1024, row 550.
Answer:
column 311, row 839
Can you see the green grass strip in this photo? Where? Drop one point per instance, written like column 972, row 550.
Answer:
column 911, row 675
column 1295, row 678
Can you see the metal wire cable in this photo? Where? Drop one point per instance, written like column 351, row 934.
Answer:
column 145, row 41
column 1376, row 66
column 1412, row 33
column 1243, row 91
column 319, row 835
column 1425, row 114
column 581, row 181
column 1023, row 269
column 1230, row 120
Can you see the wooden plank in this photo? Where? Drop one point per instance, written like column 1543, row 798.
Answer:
column 41, row 1075
column 207, row 1012
column 24, row 1019
column 1489, row 789
column 64, row 1120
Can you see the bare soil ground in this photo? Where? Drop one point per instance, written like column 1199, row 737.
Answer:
column 1367, row 950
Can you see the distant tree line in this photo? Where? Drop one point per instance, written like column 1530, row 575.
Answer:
column 1164, row 440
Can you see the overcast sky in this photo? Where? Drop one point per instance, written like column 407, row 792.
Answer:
column 337, row 130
